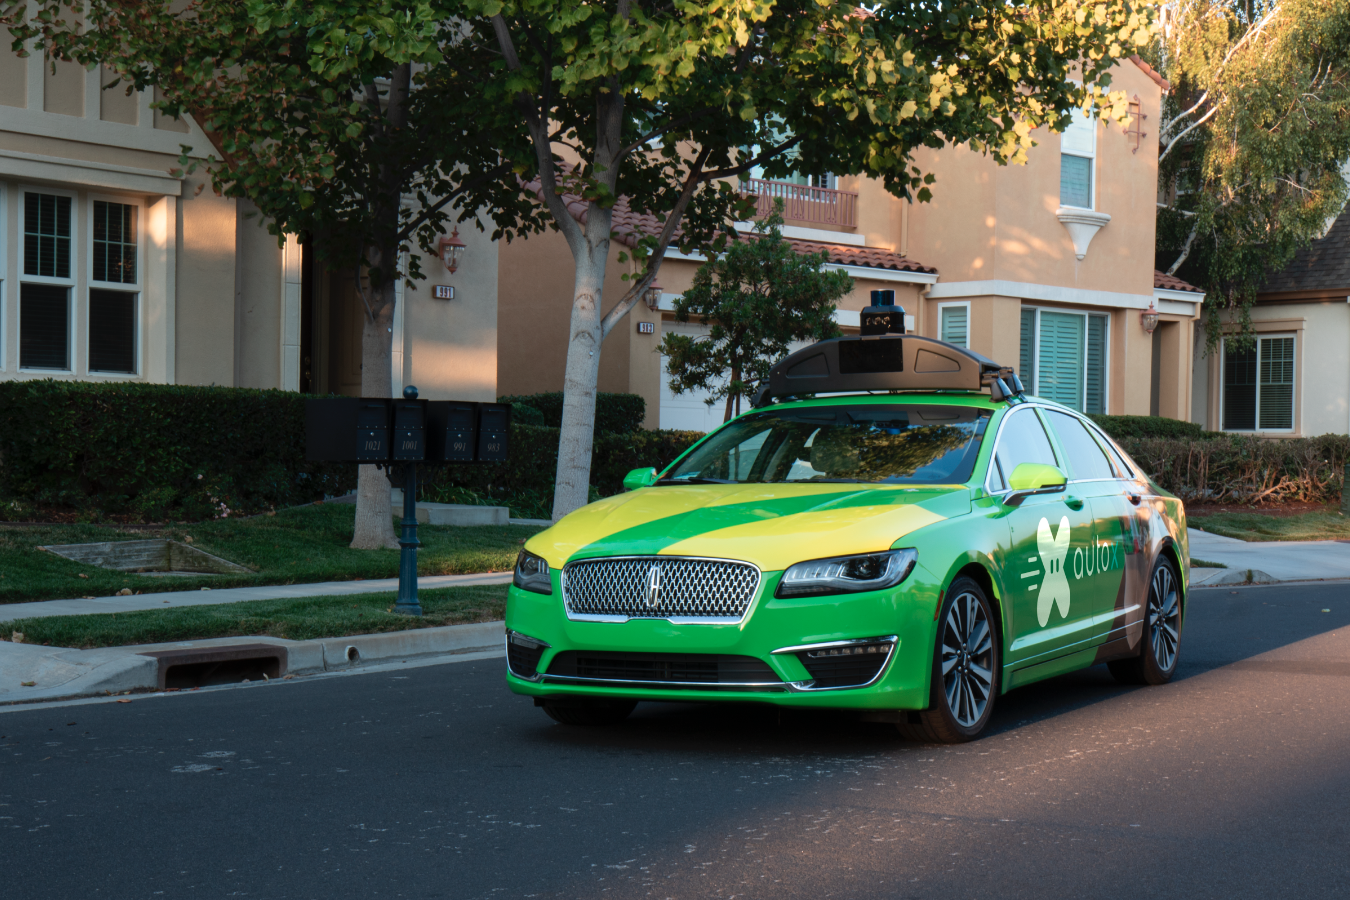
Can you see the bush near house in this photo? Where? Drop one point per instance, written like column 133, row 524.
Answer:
column 614, row 413
column 1121, row 427
column 151, row 451
column 1229, row 467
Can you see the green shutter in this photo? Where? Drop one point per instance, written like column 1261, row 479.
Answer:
column 954, row 330
column 1060, row 367
column 1277, row 383
column 1096, row 365
column 1026, row 369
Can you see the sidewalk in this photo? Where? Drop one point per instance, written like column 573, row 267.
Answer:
column 42, row 608
column 1268, row 561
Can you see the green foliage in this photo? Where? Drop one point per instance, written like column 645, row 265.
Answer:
column 1253, row 136
column 526, row 414
column 614, row 413
column 1121, row 427
column 533, row 453
column 1225, row 467
column 758, row 299
column 158, row 451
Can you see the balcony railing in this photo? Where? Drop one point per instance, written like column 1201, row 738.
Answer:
column 801, row 203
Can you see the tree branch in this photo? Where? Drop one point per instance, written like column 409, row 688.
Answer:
column 1194, row 125
column 1185, row 250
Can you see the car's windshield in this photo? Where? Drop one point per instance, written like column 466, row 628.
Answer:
column 891, row 444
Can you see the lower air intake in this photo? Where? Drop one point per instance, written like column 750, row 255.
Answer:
column 522, row 655
column 849, row 666
column 669, row 669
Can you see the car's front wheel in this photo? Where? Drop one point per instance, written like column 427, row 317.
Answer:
column 590, row 712
column 1157, row 659
column 965, row 670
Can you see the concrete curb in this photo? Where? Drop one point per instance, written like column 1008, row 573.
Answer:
column 63, row 674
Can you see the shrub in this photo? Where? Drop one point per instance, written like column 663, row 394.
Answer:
column 525, row 414
column 614, row 413
column 156, row 451
column 1121, row 427
column 1224, row 467
column 526, row 478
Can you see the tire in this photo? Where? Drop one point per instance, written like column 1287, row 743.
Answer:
column 590, row 712
column 966, row 659
column 1161, row 643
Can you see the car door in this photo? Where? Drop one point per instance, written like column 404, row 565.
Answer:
column 1096, row 562
column 1047, row 618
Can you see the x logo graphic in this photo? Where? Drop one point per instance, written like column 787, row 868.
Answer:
column 1055, row 588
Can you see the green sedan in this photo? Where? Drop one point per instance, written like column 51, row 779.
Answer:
column 893, row 529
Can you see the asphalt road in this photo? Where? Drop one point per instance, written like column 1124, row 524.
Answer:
column 1233, row 781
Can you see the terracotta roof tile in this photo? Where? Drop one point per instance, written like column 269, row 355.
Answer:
column 1151, row 73
column 1164, row 282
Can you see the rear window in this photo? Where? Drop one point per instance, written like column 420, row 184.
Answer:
column 893, row 444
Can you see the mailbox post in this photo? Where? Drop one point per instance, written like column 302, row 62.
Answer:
column 409, row 447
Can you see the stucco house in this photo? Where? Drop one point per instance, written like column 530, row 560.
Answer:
column 1047, row 266
column 1302, row 324
column 111, row 269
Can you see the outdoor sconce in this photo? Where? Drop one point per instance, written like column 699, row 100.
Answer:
column 451, row 250
column 653, row 296
column 1149, row 318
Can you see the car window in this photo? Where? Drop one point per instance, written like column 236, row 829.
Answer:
column 1087, row 461
column 892, row 444
column 1124, row 465
column 1021, row 440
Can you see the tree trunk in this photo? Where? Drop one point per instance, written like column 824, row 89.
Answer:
column 733, row 398
column 572, row 488
column 374, row 517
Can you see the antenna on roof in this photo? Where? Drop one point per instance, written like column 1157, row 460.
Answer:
column 883, row 316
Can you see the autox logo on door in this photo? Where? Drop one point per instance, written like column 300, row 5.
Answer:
column 1055, row 587
column 654, row 587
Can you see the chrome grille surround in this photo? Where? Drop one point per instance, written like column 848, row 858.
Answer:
column 690, row 589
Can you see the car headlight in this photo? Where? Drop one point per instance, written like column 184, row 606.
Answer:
column 847, row 574
column 532, row 573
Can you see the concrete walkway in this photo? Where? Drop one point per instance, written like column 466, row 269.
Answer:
column 1268, row 561
column 42, row 608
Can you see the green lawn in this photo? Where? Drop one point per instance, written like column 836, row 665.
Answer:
column 299, row 619
column 1254, row 526
column 294, row 546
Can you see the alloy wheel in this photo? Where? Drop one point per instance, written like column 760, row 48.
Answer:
column 1164, row 618
column 967, row 660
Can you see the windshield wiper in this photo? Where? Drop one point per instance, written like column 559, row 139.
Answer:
column 693, row 480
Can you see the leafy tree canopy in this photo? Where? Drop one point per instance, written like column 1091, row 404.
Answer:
column 756, row 300
column 1254, row 135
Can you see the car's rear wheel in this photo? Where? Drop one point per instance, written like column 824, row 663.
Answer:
column 965, row 670
column 590, row 712
column 1157, row 659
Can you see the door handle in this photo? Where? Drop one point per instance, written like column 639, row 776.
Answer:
column 1073, row 503
column 1134, row 498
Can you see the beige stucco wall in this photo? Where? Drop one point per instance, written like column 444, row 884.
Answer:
column 1321, row 330
column 257, row 285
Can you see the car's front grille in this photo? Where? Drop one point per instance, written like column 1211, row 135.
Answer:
column 668, row 669
column 659, row 587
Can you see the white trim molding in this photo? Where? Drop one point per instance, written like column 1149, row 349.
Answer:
column 869, row 272
column 799, row 233
column 102, row 176
column 290, row 314
column 1049, row 293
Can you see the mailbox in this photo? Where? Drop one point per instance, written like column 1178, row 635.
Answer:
column 452, row 431
column 345, row 429
column 494, row 422
column 409, row 439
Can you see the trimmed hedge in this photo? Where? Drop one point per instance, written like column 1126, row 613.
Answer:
column 155, row 451
column 614, row 413
column 1121, row 427
column 533, row 462
column 1224, row 467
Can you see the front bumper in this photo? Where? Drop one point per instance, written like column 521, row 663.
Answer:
column 759, row 656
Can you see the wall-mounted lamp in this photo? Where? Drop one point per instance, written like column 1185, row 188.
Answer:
column 451, row 249
column 653, row 296
column 1149, row 318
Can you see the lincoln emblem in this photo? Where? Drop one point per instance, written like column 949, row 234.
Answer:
column 654, row 587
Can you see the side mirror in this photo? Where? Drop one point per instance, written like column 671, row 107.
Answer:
column 1033, row 478
column 639, row 478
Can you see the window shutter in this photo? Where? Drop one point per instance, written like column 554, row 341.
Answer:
column 1095, row 401
column 1239, row 388
column 1277, row 383
column 1075, row 181
column 1060, row 368
column 1026, row 369
column 954, row 330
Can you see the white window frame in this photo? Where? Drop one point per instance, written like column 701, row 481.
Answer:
column 71, row 283
column 4, row 274
column 1294, row 400
column 1106, row 352
column 138, row 288
column 951, row 305
column 1089, row 155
